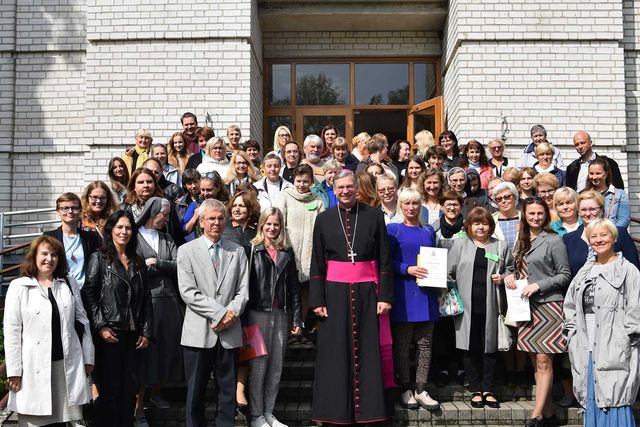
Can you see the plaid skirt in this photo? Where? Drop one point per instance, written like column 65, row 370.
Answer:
column 61, row 411
column 543, row 333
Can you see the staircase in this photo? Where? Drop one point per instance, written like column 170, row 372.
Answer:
column 294, row 404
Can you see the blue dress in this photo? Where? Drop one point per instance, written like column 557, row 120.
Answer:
column 411, row 303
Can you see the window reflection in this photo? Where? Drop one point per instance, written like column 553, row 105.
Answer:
column 424, row 80
column 382, row 84
column 314, row 124
column 322, row 84
column 280, row 84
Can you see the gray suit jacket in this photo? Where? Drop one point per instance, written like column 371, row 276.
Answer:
column 460, row 265
column 208, row 300
column 548, row 266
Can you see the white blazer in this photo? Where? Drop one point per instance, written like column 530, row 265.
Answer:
column 27, row 344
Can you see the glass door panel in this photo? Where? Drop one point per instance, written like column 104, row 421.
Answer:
column 428, row 115
column 392, row 123
column 311, row 121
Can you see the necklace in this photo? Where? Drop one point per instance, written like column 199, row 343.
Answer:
column 351, row 254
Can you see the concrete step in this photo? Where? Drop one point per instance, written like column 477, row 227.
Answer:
column 450, row 414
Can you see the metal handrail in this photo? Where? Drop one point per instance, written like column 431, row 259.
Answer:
column 5, row 226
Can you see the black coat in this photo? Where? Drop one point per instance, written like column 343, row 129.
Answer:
column 571, row 178
column 279, row 280
column 194, row 161
column 90, row 241
column 109, row 291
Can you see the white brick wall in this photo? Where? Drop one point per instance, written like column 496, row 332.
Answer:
column 168, row 19
column 560, row 64
column 350, row 43
column 51, row 25
column 49, row 102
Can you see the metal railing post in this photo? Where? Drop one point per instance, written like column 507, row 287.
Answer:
column 1, row 241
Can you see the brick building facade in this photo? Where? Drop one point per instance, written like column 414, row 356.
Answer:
column 79, row 77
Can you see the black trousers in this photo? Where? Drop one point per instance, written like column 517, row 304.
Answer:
column 480, row 367
column 116, row 376
column 198, row 365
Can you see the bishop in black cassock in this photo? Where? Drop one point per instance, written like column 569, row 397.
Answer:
column 350, row 254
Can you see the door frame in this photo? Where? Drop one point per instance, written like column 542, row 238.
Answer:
column 437, row 104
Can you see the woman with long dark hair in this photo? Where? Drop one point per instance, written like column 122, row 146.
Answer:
column 541, row 258
column 474, row 157
column 449, row 142
column 616, row 200
column 118, row 302
column 119, row 177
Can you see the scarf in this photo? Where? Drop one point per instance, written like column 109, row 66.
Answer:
column 300, row 197
column 449, row 230
column 140, row 155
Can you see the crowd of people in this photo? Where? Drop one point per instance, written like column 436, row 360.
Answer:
column 157, row 276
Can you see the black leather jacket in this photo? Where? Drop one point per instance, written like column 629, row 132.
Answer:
column 108, row 292
column 268, row 280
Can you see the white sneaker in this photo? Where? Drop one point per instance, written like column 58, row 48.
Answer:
column 426, row 402
column 259, row 422
column 273, row 421
column 408, row 401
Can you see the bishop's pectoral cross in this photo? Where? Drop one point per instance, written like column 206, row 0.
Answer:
column 352, row 255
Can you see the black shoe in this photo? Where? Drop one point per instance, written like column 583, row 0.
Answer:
column 550, row 421
column 535, row 422
column 490, row 403
column 477, row 403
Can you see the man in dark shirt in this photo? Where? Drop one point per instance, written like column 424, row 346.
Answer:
column 578, row 170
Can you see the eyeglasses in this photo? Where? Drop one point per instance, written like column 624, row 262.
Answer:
column 504, row 198
column 98, row 198
column 497, row 147
column 386, row 190
column 589, row 210
column 451, row 206
column 546, row 193
column 66, row 209
column 242, row 164
column 283, row 135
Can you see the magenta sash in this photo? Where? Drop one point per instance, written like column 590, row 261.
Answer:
column 367, row 271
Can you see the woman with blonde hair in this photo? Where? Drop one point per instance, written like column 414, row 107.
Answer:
column 98, row 204
column 215, row 159
column 281, row 137
column 565, row 205
column 360, row 142
column 606, row 376
column 178, row 152
column 424, row 141
column 431, row 187
column 240, row 170
column 546, row 184
column 545, row 164
column 274, row 294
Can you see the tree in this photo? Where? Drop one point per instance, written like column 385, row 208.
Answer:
column 318, row 89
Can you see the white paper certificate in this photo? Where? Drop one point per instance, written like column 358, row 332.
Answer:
column 435, row 261
column 519, row 310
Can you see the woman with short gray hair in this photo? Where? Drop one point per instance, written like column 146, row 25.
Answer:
column 507, row 218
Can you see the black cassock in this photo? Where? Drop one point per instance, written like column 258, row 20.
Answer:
column 348, row 386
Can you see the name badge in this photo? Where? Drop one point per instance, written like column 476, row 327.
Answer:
column 312, row 206
column 492, row 257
